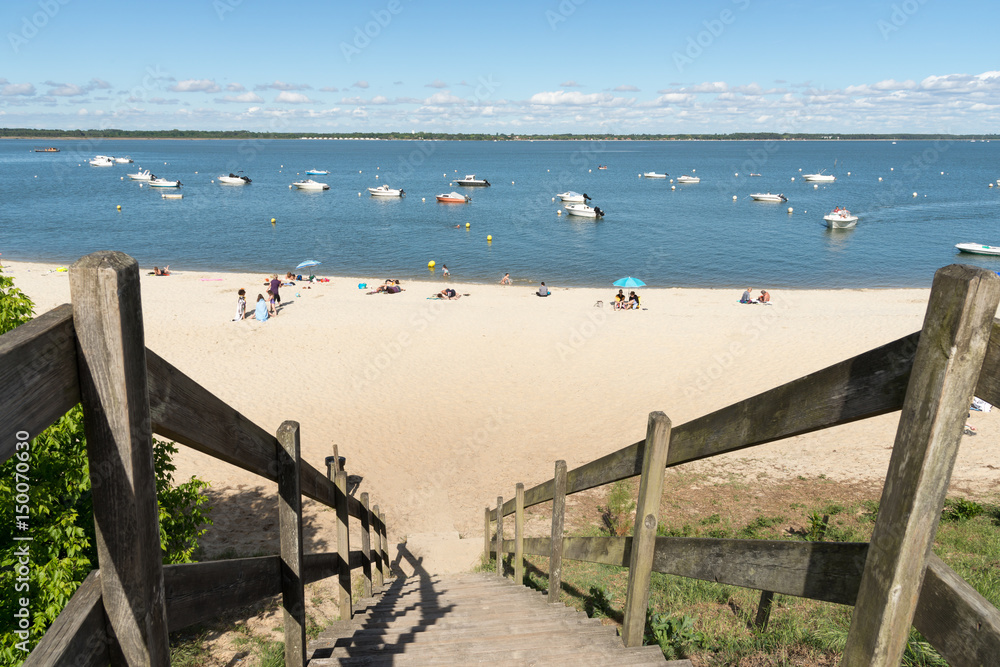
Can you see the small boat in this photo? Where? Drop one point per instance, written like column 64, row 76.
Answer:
column 386, row 191
column 317, row 172
column 688, row 179
column 172, row 195
column 767, row 196
column 840, row 218
column 754, row 174
column 310, row 184
column 470, row 180
column 47, row 149
column 653, row 174
column 233, row 179
column 124, row 160
column 102, row 161
column 164, row 183
column 584, row 211
column 819, row 178
column 454, row 198
column 573, row 197
column 142, row 176
column 602, row 166
column 978, row 248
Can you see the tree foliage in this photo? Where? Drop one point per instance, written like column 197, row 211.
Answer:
column 59, row 513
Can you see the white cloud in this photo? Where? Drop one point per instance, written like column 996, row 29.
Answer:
column 65, row 89
column 329, row 89
column 195, row 86
column 291, row 98
column 12, row 89
column 281, row 85
column 243, row 98
column 570, row 84
column 444, row 97
column 235, row 87
column 360, row 84
column 160, row 100
column 574, row 98
column 436, row 83
column 625, row 89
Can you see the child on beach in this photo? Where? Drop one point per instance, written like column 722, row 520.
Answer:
column 241, row 305
column 506, row 279
column 260, row 313
column 445, row 271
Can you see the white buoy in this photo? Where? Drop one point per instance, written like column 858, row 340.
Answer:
column 376, row 175
column 673, row 187
column 122, row 178
column 991, row 185
column 914, row 194
column 693, row 170
column 289, row 187
column 892, row 169
column 553, row 199
column 734, row 197
column 789, row 209
column 800, row 169
column 196, row 172
column 880, row 179
column 548, row 170
column 512, row 182
column 423, row 199
column 848, row 173
column 558, row 212
column 737, row 174
column 815, row 186
column 213, row 180
column 942, row 173
column 590, row 171
column 359, row 194
column 793, row 178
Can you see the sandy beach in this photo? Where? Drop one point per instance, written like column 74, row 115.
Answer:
column 440, row 406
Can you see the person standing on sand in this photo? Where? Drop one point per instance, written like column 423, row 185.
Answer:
column 275, row 284
column 241, row 305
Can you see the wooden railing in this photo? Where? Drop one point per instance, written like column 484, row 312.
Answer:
column 93, row 352
column 893, row 581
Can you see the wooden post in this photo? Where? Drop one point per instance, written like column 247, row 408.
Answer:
column 558, row 521
column 763, row 610
column 377, row 549
column 111, row 357
column 293, row 594
column 386, row 572
column 366, row 545
column 486, row 534
column 647, row 513
column 519, row 534
column 945, row 369
column 343, row 546
column 336, row 460
column 500, row 536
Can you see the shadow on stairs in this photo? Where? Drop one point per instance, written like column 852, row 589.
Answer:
column 466, row 619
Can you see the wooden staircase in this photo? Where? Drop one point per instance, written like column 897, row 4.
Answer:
column 467, row 619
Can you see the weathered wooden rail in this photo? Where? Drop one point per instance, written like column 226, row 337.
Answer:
column 93, row 352
column 893, row 581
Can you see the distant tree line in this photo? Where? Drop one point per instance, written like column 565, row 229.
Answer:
column 33, row 133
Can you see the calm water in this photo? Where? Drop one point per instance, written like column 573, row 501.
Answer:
column 52, row 209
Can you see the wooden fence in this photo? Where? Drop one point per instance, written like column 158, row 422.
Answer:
column 893, row 581
column 93, row 352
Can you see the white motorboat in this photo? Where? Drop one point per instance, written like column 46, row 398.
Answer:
column 386, row 191
column 164, row 183
column 316, row 172
column 454, row 198
column 124, row 160
column 233, row 179
column 310, row 184
column 688, row 179
column 653, row 174
column 172, row 196
column 767, row 196
column 142, row 176
column 840, row 218
column 102, row 161
column 819, row 178
column 584, row 211
column 979, row 248
column 573, row 197
column 470, row 180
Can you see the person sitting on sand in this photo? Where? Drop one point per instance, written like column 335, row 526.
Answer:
column 241, row 305
column 764, row 297
column 448, row 293
column 633, row 301
column 619, row 300
column 157, row 271
column 543, row 290
column 506, row 279
column 260, row 313
column 747, row 296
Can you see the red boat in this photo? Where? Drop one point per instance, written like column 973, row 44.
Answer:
column 454, row 198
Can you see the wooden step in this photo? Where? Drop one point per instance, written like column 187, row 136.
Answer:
column 471, row 619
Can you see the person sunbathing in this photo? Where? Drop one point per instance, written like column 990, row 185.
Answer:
column 448, row 293
column 157, row 271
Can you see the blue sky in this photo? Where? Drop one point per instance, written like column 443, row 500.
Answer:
column 508, row 67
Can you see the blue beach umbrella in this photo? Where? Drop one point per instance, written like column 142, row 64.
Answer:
column 628, row 282
column 308, row 262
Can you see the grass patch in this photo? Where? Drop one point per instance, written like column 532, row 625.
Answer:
column 714, row 624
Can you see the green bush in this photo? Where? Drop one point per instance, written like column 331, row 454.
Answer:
column 59, row 514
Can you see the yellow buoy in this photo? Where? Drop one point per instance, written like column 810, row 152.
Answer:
column 489, row 237
column 431, row 264
column 467, row 225
column 119, row 207
column 273, row 221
